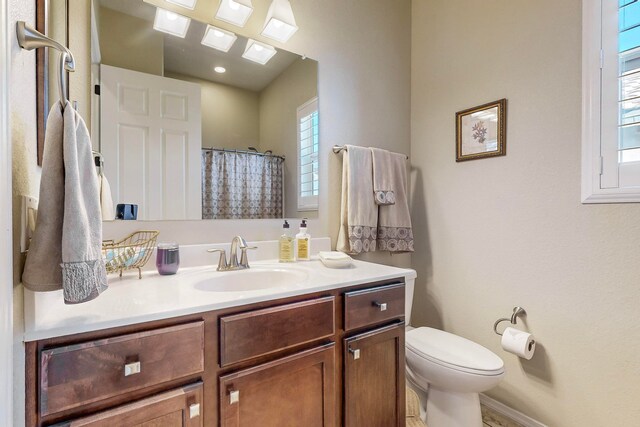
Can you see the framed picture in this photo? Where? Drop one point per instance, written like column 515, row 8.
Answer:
column 481, row 131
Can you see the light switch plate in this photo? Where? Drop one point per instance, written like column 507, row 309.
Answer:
column 29, row 214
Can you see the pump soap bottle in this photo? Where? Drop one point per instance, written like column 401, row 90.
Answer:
column 286, row 244
column 303, row 242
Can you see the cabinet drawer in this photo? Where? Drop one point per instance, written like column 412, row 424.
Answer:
column 372, row 306
column 256, row 333
column 79, row 374
column 181, row 407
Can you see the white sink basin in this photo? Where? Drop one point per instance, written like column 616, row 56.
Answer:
column 254, row 279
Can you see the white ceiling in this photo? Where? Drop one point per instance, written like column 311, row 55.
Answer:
column 188, row 56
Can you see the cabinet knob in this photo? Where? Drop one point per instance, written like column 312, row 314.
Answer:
column 194, row 410
column 355, row 352
column 234, row 396
column 381, row 305
column 132, row 368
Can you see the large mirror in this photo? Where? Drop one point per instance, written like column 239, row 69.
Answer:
column 184, row 130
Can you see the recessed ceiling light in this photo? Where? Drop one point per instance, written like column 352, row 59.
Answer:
column 220, row 70
column 189, row 4
column 280, row 24
column 218, row 38
column 258, row 52
column 171, row 23
column 235, row 12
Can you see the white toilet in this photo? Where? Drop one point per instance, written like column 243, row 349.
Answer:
column 448, row 372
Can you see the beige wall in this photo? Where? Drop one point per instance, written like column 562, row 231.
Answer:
column 26, row 174
column 509, row 231
column 128, row 42
column 278, row 122
column 230, row 115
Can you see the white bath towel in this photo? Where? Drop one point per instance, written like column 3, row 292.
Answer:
column 382, row 177
column 66, row 248
column 358, row 212
column 394, row 221
column 106, row 199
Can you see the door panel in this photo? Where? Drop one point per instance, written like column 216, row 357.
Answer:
column 374, row 380
column 293, row 391
column 151, row 142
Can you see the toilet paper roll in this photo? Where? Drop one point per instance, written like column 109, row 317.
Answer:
column 520, row 343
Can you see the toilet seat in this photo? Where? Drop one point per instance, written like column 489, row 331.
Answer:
column 453, row 352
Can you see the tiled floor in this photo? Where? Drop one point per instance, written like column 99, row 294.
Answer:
column 489, row 417
column 492, row 419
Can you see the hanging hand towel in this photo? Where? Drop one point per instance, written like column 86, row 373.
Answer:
column 106, row 200
column 66, row 248
column 382, row 177
column 358, row 213
column 394, row 222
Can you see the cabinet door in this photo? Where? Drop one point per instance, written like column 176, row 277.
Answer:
column 374, row 389
column 297, row 390
column 176, row 408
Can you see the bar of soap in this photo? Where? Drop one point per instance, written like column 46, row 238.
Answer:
column 335, row 259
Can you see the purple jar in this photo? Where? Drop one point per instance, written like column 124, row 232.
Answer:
column 168, row 258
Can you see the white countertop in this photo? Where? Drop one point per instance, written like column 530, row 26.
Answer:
column 130, row 300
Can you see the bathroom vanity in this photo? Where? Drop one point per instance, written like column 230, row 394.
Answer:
column 325, row 349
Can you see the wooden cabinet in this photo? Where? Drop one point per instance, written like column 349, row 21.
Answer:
column 297, row 390
column 374, row 380
column 176, row 408
column 324, row 359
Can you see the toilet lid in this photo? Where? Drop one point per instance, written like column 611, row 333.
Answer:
column 453, row 351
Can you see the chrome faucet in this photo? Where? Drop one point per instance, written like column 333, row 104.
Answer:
column 233, row 264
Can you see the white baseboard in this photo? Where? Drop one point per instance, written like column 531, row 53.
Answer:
column 510, row 413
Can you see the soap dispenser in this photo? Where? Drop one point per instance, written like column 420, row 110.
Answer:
column 286, row 244
column 303, row 242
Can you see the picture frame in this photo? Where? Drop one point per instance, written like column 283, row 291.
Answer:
column 481, row 131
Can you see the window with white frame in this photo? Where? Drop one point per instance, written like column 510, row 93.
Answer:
column 308, row 145
column 611, row 101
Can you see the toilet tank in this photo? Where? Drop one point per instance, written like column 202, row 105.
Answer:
column 410, row 282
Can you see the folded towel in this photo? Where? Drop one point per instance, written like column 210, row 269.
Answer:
column 382, row 177
column 335, row 259
column 106, row 200
column 66, row 248
column 358, row 212
column 394, row 222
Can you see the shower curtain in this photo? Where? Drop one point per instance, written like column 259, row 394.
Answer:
column 241, row 185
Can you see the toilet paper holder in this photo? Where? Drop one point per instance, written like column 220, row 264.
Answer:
column 517, row 311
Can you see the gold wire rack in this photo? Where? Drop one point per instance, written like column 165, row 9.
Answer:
column 132, row 252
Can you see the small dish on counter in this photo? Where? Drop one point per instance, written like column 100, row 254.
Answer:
column 335, row 259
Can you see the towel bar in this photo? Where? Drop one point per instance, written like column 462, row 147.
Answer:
column 338, row 149
column 29, row 38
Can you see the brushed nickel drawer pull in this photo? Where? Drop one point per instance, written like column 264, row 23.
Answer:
column 194, row 410
column 381, row 306
column 234, row 397
column 132, row 368
column 355, row 352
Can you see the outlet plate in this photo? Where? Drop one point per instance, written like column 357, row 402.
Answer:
column 28, row 217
